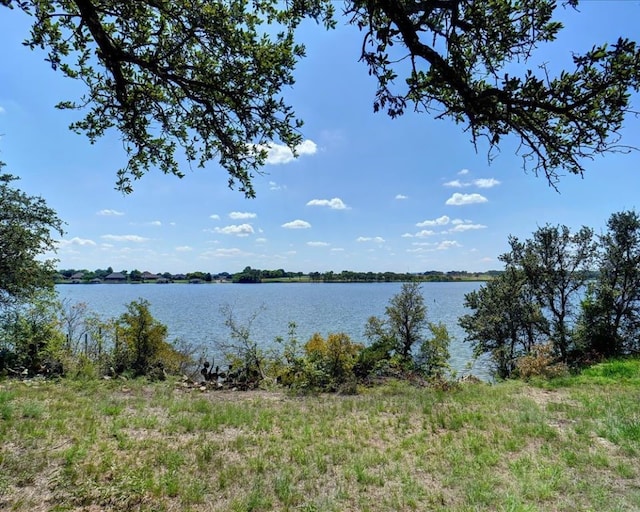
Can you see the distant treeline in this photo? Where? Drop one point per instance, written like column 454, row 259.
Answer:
column 254, row 275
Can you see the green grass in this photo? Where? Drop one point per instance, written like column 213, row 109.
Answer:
column 569, row 444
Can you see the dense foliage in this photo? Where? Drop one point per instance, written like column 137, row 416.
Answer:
column 46, row 337
column 207, row 79
column 574, row 293
column 27, row 228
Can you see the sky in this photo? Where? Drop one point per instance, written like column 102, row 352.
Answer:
column 366, row 193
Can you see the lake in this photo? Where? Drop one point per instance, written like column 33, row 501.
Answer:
column 192, row 312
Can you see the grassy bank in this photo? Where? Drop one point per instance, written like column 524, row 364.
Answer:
column 114, row 445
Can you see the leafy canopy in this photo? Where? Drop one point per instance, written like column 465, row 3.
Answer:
column 208, row 77
column 27, row 226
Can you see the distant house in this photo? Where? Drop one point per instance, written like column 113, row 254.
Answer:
column 162, row 280
column 78, row 276
column 148, row 276
column 116, row 277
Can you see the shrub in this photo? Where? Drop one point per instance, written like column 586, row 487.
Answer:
column 540, row 362
column 141, row 347
column 330, row 362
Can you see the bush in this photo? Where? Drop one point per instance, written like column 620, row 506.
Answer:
column 141, row 347
column 540, row 362
column 326, row 364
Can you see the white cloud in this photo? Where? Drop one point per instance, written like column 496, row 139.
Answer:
column 214, row 216
column 440, row 221
column 2, row 110
column 274, row 186
column 155, row 223
column 318, row 244
column 455, row 184
column 184, row 248
column 406, row 235
column 335, row 204
column 462, row 172
column 296, row 224
column 466, row 227
column 424, row 232
column 261, row 240
column 376, row 239
column 76, row 241
column 236, row 229
column 486, row 182
column 125, row 238
column 110, row 213
column 401, row 196
column 226, row 253
column 281, row 154
column 448, row 244
column 337, row 249
column 458, row 199
column 242, row 215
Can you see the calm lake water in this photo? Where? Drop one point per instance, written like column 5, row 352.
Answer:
column 192, row 311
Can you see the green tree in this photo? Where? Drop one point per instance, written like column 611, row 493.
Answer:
column 31, row 338
column 458, row 54
column 141, row 342
column 610, row 320
column 135, row 276
column 403, row 327
column 557, row 265
column 505, row 322
column 208, row 77
column 27, row 227
column 204, row 77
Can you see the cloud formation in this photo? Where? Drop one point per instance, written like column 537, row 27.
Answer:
column 236, row 229
column 486, row 182
column 440, row 221
column 375, row 239
column 76, row 241
column 458, row 199
column 459, row 228
column 281, row 154
column 480, row 183
column 296, row 224
column 109, row 213
column 125, row 238
column 318, row 244
column 335, row 204
column 401, row 196
column 242, row 215
column 447, row 244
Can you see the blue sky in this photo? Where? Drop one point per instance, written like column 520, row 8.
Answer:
column 367, row 193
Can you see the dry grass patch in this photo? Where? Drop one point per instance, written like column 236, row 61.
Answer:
column 123, row 446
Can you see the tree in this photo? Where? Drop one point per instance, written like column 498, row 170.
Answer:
column 141, row 344
column 406, row 318
column 27, row 226
column 458, row 54
column 207, row 77
column 556, row 265
column 506, row 322
column 610, row 321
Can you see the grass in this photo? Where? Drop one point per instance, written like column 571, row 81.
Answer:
column 569, row 445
